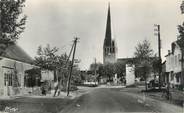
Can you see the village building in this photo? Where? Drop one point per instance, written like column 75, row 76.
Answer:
column 14, row 62
column 173, row 66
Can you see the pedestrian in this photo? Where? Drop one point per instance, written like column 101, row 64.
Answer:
column 125, row 82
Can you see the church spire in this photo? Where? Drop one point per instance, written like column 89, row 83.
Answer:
column 109, row 52
column 108, row 28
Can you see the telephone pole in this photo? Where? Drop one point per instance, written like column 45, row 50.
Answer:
column 159, row 53
column 95, row 67
column 71, row 66
column 95, row 71
column 182, row 52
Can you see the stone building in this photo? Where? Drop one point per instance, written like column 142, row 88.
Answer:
column 13, row 64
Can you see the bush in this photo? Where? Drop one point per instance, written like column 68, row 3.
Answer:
column 180, row 87
column 72, row 88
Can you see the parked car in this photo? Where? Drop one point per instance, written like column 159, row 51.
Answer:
column 153, row 84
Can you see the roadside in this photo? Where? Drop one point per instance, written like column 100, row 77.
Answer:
column 177, row 96
column 155, row 104
column 40, row 104
column 118, row 100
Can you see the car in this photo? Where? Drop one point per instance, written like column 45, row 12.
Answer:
column 153, row 84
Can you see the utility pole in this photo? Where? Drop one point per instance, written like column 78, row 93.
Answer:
column 182, row 50
column 95, row 69
column 71, row 67
column 65, row 67
column 1, row 19
column 182, row 72
column 159, row 53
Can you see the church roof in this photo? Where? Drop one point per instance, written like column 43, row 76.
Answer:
column 13, row 51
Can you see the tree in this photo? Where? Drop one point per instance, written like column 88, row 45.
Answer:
column 12, row 20
column 47, row 58
column 143, row 55
column 107, row 70
column 94, row 67
column 180, row 42
column 120, row 68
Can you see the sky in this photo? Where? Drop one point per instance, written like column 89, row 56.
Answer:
column 57, row 22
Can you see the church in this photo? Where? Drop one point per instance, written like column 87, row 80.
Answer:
column 109, row 47
column 110, row 51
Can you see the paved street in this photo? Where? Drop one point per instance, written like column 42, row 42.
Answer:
column 93, row 100
column 105, row 100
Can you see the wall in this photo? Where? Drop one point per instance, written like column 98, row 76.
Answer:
column 111, row 58
column 173, row 64
column 130, row 74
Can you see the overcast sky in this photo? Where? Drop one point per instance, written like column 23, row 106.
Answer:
column 57, row 22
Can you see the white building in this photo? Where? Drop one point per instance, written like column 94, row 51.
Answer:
column 130, row 74
column 173, row 65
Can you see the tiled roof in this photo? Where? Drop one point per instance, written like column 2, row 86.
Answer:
column 13, row 51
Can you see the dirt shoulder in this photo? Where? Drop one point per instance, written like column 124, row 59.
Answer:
column 41, row 104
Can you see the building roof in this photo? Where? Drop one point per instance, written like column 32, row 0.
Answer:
column 178, row 43
column 15, row 52
column 125, row 60
column 131, row 60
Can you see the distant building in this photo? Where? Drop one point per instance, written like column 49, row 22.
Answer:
column 165, row 75
column 13, row 64
column 173, row 65
column 109, row 47
column 130, row 73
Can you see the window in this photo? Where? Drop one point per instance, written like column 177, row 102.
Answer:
column 177, row 79
column 8, row 79
column 175, row 60
column 179, row 59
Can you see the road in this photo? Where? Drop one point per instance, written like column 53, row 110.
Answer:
column 107, row 100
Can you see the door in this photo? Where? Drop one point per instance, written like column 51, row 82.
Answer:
column 8, row 81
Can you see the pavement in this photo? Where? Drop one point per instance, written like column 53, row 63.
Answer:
column 102, row 99
column 113, row 100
